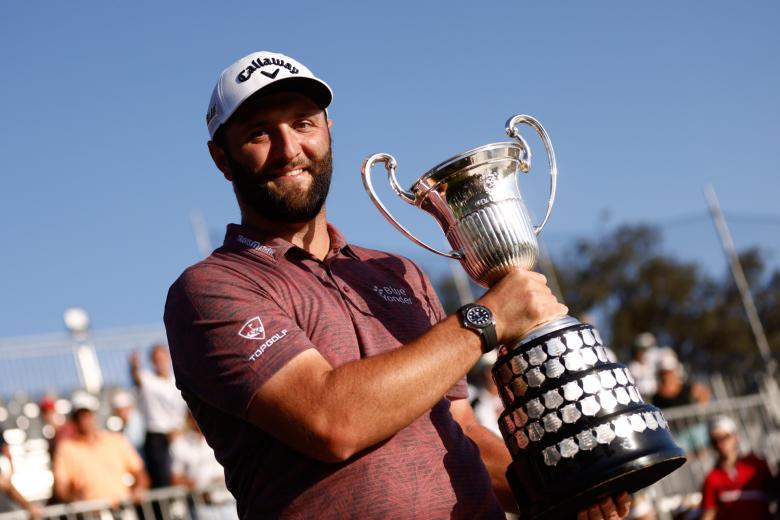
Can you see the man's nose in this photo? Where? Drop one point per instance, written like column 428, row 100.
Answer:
column 287, row 146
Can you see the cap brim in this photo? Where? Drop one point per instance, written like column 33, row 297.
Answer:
column 318, row 91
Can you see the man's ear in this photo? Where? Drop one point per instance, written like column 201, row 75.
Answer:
column 220, row 160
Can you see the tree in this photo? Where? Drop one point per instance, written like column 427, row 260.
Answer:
column 626, row 278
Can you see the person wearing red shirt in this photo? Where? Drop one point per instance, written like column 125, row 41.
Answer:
column 737, row 487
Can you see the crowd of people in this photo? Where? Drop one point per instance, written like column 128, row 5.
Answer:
column 153, row 442
column 158, row 443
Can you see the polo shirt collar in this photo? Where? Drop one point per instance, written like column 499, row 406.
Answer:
column 267, row 244
column 338, row 244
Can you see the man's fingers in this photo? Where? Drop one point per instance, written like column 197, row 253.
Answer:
column 608, row 509
column 623, row 504
column 594, row 513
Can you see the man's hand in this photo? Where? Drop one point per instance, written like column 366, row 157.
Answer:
column 521, row 301
column 35, row 511
column 135, row 367
column 608, row 509
column 137, row 495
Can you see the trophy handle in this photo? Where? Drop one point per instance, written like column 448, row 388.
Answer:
column 512, row 131
column 407, row 196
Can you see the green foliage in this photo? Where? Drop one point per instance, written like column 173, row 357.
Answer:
column 627, row 278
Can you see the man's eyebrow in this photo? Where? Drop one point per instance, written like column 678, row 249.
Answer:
column 251, row 120
column 308, row 113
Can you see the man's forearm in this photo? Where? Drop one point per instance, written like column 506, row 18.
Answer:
column 358, row 404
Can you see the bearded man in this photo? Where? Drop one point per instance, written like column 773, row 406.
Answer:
column 321, row 396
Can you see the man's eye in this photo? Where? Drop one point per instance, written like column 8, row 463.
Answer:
column 303, row 124
column 257, row 135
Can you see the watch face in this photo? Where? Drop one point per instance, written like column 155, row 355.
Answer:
column 479, row 316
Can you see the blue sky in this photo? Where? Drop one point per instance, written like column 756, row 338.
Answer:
column 103, row 152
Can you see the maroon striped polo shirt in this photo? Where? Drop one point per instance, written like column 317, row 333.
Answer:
column 237, row 317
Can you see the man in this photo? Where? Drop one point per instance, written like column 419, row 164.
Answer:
column 326, row 376
column 123, row 406
column 737, row 487
column 194, row 466
column 95, row 463
column 163, row 410
column 644, row 354
column 10, row 497
column 672, row 390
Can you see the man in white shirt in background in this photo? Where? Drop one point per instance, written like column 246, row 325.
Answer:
column 194, row 466
column 163, row 409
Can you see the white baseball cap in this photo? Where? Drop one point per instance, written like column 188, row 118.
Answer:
column 122, row 399
column 722, row 424
column 84, row 401
column 256, row 72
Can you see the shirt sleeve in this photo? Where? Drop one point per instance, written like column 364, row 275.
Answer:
column 178, row 453
column 143, row 377
column 60, row 470
column 228, row 335
column 708, row 494
column 131, row 458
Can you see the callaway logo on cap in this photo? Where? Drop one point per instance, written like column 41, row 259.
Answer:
column 256, row 72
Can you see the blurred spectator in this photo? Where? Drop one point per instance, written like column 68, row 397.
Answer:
column 163, row 410
column 95, row 463
column 10, row 498
column 644, row 363
column 4, row 451
column 123, row 406
column 55, row 427
column 641, row 508
column 736, row 488
column 9, row 495
column 486, row 401
column 672, row 390
column 194, row 466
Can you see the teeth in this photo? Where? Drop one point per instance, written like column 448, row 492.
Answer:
column 293, row 173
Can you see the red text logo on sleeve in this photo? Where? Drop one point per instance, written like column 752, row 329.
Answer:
column 253, row 329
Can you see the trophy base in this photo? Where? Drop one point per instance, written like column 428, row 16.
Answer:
column 566, row 501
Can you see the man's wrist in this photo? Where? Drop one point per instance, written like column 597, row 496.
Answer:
column 480, row 319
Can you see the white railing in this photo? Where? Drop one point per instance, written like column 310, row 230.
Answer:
column 47, row 363
column 171, row 503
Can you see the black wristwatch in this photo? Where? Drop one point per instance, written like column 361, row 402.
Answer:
column 479, row 318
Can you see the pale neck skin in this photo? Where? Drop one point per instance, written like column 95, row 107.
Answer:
column 266, row 135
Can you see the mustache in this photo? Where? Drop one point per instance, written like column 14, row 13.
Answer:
column 302, row 163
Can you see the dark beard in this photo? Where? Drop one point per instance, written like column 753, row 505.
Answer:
column 296, row 209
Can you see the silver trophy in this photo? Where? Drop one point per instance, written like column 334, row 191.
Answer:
column 576, row 426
